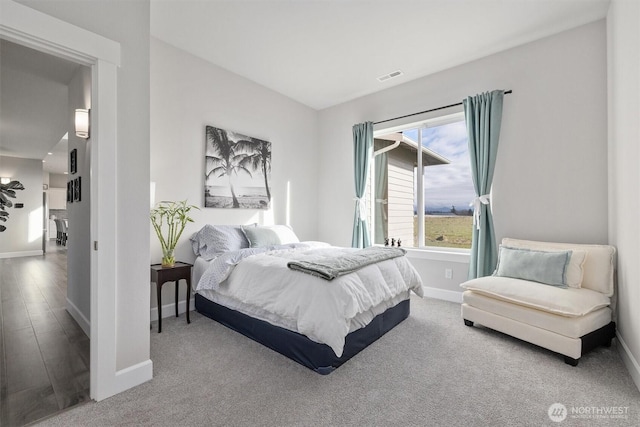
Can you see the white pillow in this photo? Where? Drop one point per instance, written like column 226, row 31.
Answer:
column 269, row 235
column 575, row 268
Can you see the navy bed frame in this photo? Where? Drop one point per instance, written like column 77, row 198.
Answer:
column 315, row 356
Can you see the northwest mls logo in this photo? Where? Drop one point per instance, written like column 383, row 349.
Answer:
column 557, row 412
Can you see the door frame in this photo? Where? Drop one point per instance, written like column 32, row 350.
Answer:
column 36, row 30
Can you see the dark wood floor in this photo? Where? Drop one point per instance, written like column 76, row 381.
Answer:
column 44, row 354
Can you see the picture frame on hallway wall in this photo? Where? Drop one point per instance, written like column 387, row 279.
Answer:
column 237, row 173
column 70, row 191
column 77, row 193
column 73, row 161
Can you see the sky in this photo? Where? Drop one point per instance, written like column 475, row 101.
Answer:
column 447, row 185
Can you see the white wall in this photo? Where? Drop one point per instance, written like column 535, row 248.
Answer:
column 126, row 22
column 187, row 94
column 32, row 103
column 79, row 213
column 623, row 22
column 551, row 175
column 58, row 180
column 23, row 236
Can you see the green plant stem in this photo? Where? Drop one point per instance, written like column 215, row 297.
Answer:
column 174, row 216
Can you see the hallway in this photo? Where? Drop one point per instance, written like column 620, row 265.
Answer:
column 44, row 354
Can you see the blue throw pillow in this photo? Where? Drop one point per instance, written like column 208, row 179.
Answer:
column 539, row 266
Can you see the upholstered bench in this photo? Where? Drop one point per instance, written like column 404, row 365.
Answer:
column 555, row 295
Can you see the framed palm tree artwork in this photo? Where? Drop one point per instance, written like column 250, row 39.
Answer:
column 237, row 171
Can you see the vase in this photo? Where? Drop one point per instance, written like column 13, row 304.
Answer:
column 168, row 259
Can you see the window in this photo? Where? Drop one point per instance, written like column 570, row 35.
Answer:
column 436, row 177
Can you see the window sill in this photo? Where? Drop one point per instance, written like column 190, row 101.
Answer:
column 439, row 254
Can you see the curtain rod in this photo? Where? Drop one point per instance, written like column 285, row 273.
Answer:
column 428, row 111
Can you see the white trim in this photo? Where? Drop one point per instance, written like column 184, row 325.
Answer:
column 419, row 196
column 104, row 261
column 132, row 376
column 34, row 29
column 169, row 310
column 79, row 317
column 20, row 254
column 443, row 294
column 444, row 254
column 427, row 120
column 629, row 360
column 387, row 148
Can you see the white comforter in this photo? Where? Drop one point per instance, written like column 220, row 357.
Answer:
column 321, row 309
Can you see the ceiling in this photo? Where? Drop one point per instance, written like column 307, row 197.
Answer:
column 322, row 53
column 317, row 52
column 34, row 105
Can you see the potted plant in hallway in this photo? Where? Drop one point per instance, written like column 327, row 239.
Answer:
column 169, row 220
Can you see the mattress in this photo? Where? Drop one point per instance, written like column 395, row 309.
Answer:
column 318, row 323
column 318, row 357
column 359, row 321
column 261, row 286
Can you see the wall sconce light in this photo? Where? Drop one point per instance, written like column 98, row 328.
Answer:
column 82, row 123
column 5, row 180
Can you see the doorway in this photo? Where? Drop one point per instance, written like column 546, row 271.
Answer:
column 45, row 299
column 28, row 27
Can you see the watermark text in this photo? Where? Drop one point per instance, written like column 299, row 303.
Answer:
column 558, row 412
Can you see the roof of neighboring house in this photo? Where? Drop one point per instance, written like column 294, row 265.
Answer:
column 429, row 157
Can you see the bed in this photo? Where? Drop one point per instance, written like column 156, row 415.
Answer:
column 249, row 278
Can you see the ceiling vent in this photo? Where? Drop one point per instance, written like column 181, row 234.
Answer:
column 390, row 76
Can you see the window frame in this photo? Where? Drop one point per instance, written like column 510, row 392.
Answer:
column 440, row 253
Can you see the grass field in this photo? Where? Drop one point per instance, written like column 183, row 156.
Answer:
column 449, row 231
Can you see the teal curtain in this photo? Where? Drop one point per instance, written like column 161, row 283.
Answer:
column 381, row 179
column 362, row 153
column 483, row 116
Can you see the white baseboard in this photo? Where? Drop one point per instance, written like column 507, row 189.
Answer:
column 125, row 379
column 20, row 254
column 443, row 294
column 84, row 323
column 629, row 360
column 169, row 310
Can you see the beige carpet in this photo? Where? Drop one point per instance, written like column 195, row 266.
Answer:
column 430, row 370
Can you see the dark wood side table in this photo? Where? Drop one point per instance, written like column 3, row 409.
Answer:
column 160, row 275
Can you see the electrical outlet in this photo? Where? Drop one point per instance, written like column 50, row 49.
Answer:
column 448, row 274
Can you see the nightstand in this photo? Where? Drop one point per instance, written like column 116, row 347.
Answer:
column 160, row 275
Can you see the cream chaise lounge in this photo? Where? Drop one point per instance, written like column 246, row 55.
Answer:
column 570, row 316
